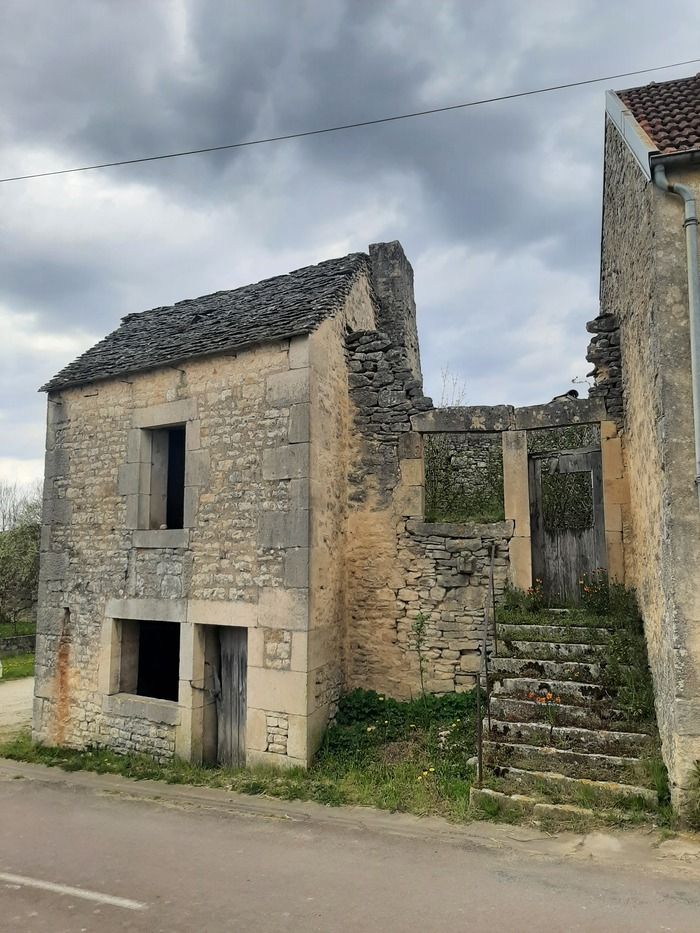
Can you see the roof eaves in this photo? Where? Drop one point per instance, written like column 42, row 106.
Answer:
column 638, row 141
column 57, row 385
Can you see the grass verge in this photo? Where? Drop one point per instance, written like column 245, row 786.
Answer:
column 16, row 666
column 407, row 757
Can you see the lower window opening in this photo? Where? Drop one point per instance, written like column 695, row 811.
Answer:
column 150, row 659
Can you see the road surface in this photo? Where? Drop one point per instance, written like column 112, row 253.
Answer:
column 91, row 856
column 15, row 705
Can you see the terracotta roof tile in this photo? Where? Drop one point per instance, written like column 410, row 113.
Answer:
column 668, row 112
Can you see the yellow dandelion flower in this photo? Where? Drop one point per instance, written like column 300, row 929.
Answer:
column 431, row 769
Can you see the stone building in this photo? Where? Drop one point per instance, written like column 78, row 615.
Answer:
column 235, row 527
column 646, row 352
column 214, row 473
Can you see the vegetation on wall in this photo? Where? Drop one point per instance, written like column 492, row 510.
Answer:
column 458, row 490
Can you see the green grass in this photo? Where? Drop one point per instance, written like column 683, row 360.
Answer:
column 16, row 666
column 21, row 627
column 382, row 753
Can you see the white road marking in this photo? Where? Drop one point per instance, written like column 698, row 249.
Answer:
column 72, row 892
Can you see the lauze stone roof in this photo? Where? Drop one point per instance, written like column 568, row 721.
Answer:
column 669, row 113
column 274, row 309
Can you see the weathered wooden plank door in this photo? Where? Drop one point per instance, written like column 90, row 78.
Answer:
column 567, row 524
column 232, row 698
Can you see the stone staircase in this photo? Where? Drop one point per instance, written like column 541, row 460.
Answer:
column 555, row 742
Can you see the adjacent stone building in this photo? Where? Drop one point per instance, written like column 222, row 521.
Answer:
column 649, row 323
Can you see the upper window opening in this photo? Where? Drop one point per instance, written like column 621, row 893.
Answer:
column 167, row 477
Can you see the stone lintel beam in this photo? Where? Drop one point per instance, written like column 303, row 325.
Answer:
column 560, row 414
column 464, row 419
column 494, row 418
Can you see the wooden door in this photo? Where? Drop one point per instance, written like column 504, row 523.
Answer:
column 567, row 524
column 232, row 699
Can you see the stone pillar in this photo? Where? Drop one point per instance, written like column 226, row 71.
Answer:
column 189, row 733
column 516, row 496
column 392, row 281
column 616, row 499
column 409, row 496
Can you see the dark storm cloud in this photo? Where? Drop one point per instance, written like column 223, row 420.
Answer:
column 498, row 207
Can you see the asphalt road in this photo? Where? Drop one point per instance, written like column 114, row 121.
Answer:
column 173, row 865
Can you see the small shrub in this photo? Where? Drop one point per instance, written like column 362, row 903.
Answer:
column 595, row 591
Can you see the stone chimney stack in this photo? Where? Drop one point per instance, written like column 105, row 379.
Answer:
column 392, row 280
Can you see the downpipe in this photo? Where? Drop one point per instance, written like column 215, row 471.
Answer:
column 690, row 224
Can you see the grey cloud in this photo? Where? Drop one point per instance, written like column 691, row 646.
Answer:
column 85, row 81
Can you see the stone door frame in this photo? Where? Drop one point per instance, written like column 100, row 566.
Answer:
column 513, row 425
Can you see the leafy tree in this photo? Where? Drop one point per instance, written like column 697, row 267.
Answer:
column 19, row 549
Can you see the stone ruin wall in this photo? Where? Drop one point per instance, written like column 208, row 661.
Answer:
column 399, row 566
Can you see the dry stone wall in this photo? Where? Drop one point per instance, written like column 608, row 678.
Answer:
column 447, row 585
column 604, row 352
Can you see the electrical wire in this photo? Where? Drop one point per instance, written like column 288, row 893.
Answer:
column 347, row 126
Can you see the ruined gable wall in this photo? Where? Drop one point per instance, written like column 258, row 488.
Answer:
column 400, row 567
column 643, row 284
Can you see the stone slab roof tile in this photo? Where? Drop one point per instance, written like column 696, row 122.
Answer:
column 274, row 309
column 668, row 112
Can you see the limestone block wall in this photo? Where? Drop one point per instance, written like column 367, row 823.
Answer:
column 246, row 517
column 643, row 286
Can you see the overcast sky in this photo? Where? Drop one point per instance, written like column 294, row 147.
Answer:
column 498, row 207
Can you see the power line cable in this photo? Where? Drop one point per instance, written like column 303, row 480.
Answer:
column 348, row 126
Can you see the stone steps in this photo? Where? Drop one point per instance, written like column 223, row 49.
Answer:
column 551, row 651
column 584, row 634
column 567, row 758
column 571, row 763
column 493, row 802
column 572, row 738
column 564, row 789
column 600, row 716
column 544, row 669
column 575, row 693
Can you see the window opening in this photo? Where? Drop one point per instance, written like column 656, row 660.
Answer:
column 150, row 659
column 167, row 477
column 176, row 478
